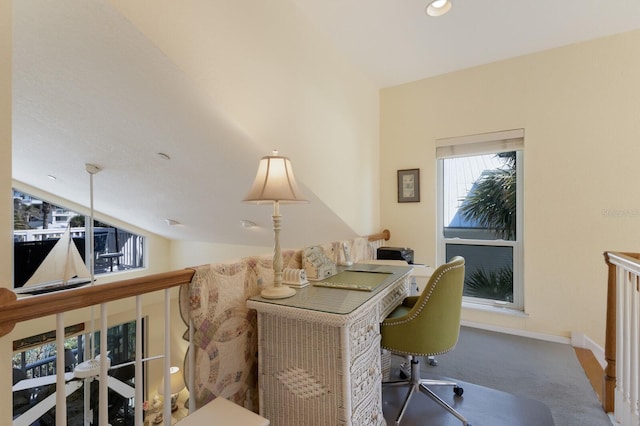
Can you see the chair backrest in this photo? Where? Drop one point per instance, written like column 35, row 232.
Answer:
column 432, row 325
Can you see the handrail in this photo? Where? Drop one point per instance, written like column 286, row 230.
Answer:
column 14, row 310
column 629, row 262
column 384, row 235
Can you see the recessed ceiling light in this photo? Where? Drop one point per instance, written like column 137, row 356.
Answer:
column 248, row 223
column 52, row 177
column 438, row 7
column 164, row 156
column 172, row 222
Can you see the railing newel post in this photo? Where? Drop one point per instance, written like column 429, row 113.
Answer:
column 609, row 379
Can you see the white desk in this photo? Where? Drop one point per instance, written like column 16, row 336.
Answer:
column 319, row 352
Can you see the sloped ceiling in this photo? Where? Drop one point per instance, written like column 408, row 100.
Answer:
column 89, row 88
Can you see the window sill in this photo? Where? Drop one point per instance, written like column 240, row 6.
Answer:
column 494, row 309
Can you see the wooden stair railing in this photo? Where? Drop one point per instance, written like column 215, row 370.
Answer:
column 384, row 235
column 628, row 264
column 14, row 310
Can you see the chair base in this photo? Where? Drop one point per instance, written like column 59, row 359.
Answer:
column 405, row 367
column 416, row 383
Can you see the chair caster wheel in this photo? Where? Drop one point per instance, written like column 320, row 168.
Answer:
column 458, row 391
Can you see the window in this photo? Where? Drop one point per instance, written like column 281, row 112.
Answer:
column 38, row 224
column 480, row 214
column 39, row 360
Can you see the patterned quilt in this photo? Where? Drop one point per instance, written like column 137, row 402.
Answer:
column 225, row 330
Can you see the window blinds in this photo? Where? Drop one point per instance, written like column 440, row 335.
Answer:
column 485, row 143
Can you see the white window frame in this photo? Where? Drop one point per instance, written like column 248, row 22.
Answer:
column 486, row 143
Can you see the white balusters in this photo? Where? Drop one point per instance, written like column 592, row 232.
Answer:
column 627, row 390
column 167, row 358
column 103, row 393
column 192, row 364
column 61, row 397
column 138, row 382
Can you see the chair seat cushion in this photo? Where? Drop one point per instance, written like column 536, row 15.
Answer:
column 410, row 301
column 398, row 312
column 403, row 309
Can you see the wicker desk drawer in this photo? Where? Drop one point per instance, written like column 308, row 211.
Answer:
column 394, row 298
column 363, row 333
column 365, row 375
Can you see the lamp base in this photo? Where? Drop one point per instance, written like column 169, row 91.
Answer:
column 277, row 292
column 174, row 402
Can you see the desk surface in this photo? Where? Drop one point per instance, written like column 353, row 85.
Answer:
column 339, row 300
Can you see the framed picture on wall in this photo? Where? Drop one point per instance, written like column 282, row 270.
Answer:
column 409, row 186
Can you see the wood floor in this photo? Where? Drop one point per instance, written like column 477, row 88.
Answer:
column 592, row 369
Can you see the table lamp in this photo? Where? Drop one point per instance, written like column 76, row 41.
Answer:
column 275, row 183
column 176, row 384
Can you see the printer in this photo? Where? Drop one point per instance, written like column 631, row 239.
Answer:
column 396, row 253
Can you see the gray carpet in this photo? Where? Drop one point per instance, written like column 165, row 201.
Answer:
column 510, row 381
column 480, row 405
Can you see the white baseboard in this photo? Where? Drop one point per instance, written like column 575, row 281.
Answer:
column 517, row 332
column 581, row 340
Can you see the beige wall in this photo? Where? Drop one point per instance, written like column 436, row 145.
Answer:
column 189, row 253
column 579, row 107
column 270, row 72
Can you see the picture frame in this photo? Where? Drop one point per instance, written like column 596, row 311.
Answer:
column 409, row 186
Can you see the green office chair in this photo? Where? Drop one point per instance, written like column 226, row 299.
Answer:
column 427, row 325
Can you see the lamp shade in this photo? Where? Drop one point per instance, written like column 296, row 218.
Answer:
column 274, row 182
column 177, row 382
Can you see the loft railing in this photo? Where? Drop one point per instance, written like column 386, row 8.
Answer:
column 622, row 346
column 16, row 310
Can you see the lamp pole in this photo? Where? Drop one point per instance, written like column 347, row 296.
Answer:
column 278, row 290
